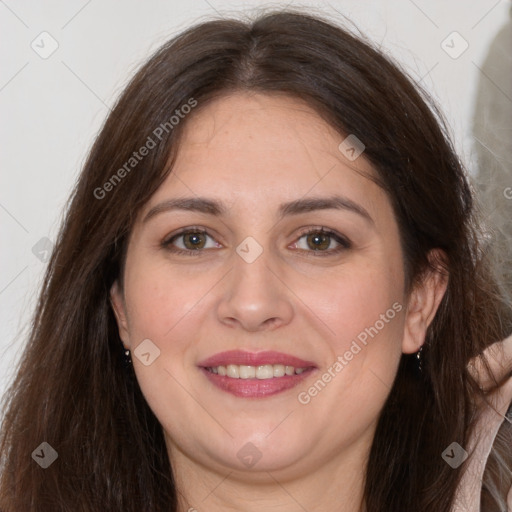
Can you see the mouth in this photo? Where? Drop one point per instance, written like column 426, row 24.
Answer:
column 262, row 372
column 255, row 375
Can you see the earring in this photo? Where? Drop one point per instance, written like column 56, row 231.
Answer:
column 127, row 360
column 420, row 360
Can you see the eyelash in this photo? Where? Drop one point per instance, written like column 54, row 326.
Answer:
column 343, row 242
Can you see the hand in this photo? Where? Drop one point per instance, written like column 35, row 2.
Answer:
column 492, row 414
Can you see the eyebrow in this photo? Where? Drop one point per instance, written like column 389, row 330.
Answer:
column 216, row 208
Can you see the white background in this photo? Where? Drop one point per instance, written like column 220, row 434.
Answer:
column 52, row 108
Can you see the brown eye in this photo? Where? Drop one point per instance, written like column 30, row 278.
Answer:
column 194, row 240
column 318, row 241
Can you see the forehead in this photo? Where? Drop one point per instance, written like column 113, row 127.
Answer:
column 280, row 122
column 265, row 142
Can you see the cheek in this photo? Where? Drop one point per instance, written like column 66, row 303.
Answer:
column 364, row 311
column 162, row 307
column 159, row 299
column 353, row 302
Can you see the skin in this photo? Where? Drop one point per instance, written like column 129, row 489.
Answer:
column 254, row 152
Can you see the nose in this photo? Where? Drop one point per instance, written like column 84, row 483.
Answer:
column 255, row 297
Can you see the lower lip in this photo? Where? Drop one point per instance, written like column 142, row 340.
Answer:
column 256, row 388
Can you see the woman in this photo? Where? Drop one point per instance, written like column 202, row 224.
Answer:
column 273, row 228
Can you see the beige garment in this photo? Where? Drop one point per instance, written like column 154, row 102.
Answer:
column 492, row 130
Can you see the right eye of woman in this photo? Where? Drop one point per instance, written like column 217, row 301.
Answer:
column 193, row 240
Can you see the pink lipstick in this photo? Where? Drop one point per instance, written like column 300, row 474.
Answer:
column 255, row 375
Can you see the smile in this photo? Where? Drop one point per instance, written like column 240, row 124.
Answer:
column 255, row 375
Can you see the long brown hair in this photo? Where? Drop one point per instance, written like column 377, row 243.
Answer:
column 72, row 389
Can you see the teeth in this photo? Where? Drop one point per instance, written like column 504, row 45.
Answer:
column 233, row 371
column 266, row 371
column 247, row 372
column 278, row 370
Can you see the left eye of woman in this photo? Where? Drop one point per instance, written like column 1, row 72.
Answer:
column 318, row 240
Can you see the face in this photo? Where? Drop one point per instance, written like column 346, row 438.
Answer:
column 265, row 311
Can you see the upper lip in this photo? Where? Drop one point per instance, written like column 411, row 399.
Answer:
column 241, row 357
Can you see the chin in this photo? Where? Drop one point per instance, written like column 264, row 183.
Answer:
column 266, row 452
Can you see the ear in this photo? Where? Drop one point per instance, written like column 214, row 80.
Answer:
column 423, row 302
column 119, row 307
